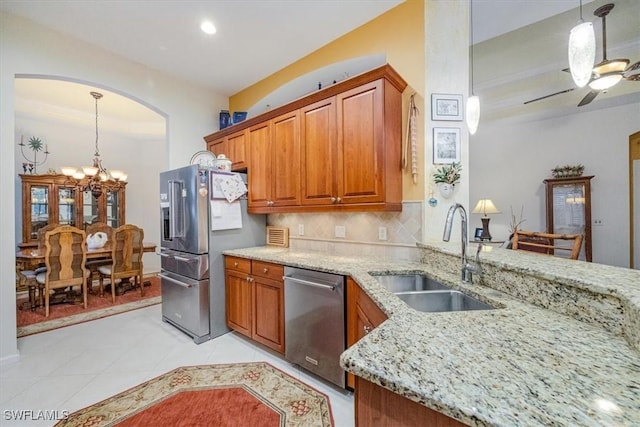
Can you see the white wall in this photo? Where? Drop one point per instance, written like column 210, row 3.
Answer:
column 26, row 48
column 447, row 48
column 510, row 161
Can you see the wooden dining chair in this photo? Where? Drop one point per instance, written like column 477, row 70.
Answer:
column 93, row 264
column 65, row 258
column 126, row 258
column 547, row 243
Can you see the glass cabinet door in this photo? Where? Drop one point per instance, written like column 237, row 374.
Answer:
column 39, row 198
column 90, row 209
column 67, row 208
column 569, row 210
column 113, row 209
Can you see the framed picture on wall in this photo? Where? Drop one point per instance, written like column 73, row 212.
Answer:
column 446, row 145
column 446, row 107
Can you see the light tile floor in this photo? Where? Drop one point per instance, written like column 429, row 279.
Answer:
column 73, row 367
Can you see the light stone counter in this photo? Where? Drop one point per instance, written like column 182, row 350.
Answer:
column 522, row 364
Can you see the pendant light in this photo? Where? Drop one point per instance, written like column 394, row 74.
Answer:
column 473, row 102
column 582, row 51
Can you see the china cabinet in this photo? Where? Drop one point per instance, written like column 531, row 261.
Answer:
column 54, row 199
column 568, row 203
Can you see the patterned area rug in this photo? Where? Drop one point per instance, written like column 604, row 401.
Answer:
column 242, row 394
column 33, row 322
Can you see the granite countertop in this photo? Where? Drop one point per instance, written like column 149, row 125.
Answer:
column 519, row 364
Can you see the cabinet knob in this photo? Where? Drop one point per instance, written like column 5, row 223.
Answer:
column 367, row 329
column 235, row 264
column 249, row 278
column 333, row 200
column 338, row 200
column 264, row 270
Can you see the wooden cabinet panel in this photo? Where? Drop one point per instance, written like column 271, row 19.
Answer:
column 255, row 300
column 363, row 315
column 268, row 313
column 377, row 406
column 361, row 142
column 238, row 302
column 259, row 176
column 319, row 152
column 285, row 168
column 233, row 147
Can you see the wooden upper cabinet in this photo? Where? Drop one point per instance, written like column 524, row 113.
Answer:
column 319, row 165
column 361, row 143
column 337, row 149
column 234, row 147
column 285, row 168
column 259, row 176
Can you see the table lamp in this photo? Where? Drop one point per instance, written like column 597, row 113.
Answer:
column 485, row 206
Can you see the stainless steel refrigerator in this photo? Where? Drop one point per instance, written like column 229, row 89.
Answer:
column 192, row 276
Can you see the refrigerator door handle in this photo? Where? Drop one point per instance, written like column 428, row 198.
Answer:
column 177, row 282
column 181, row 258
column 176, row 209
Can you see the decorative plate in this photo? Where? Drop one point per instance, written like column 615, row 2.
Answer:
column 203, row 158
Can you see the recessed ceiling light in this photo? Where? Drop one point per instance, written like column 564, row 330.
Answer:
column 208, row 28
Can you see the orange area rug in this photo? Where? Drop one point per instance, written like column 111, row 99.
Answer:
column 241, row 394
column 32, row 322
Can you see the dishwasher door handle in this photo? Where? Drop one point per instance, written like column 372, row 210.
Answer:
column 308, row 283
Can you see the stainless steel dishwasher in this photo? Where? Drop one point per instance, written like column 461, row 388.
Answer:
column 314, row 322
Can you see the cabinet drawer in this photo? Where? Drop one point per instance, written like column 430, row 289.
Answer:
column 268, row 270
column 237, row 264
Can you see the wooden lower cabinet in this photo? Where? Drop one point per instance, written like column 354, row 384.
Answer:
column 377, row 406
column 255, row 300
column 363, row 315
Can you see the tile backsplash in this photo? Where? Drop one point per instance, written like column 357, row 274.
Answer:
column 362, row 232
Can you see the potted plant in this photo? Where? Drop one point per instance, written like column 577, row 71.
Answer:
column 567, row 171
column 447, row 177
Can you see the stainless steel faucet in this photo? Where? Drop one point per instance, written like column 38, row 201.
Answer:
column 467, row 268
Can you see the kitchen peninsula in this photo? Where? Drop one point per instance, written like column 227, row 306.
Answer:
column 566, row 355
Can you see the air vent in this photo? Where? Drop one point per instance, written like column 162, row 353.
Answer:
column 278, row 236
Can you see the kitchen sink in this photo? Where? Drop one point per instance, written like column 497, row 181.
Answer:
column 441, row 301
column 409, row 282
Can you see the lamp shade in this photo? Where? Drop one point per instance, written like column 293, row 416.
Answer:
column 473, row 113
column 485, row 206
column 582, row 53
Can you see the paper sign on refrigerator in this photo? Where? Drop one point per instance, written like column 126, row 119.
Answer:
column 225, row 215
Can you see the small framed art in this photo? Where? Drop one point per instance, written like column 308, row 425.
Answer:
column 446, row 145
column 446, row 107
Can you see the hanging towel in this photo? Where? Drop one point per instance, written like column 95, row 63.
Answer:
column 410, row 149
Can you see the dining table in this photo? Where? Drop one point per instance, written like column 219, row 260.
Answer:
column 30, row 257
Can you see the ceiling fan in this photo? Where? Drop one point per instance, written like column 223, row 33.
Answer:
column 608, row 72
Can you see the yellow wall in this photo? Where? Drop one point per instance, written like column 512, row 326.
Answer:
column 399, row 34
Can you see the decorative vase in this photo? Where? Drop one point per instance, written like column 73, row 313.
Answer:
column 446, row 190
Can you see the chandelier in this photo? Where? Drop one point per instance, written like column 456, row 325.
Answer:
column 97, row 176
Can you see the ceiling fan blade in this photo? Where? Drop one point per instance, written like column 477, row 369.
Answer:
column 632, row 72
column 549, row 96
column 588, row 98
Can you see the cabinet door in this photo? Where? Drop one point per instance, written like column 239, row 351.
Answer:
column 319, row 153
column 36, row 209
column 360, row 115
column 569, row 211
column 219, row 146
column 113, row 208
column 236, row 143
column 68, row 207
column 268, row 313
column 285, row 166
column 363, row 315
column 259, row 157
column 238, row 302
